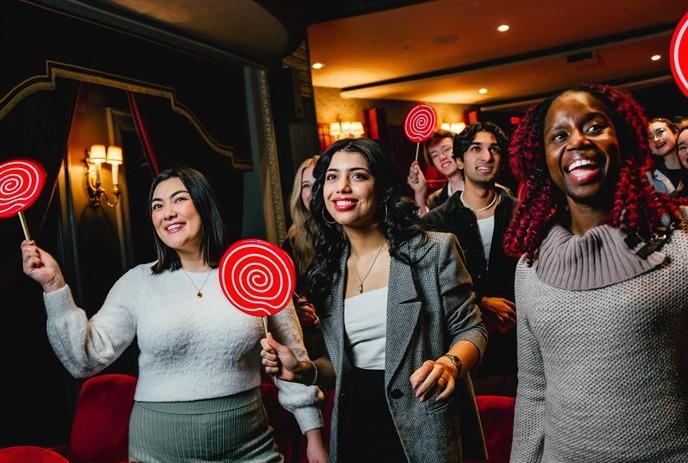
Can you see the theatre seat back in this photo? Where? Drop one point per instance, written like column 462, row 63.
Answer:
column 30, row 454
column 497, row 417
column 100, row 430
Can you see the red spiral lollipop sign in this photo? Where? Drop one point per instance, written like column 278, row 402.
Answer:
column 21, row 182
column 257, row 277
column 420, row 123
column 679, row 54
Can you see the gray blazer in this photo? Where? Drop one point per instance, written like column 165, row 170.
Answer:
column 429, row 308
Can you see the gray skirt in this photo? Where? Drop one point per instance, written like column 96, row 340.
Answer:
column 225, row 429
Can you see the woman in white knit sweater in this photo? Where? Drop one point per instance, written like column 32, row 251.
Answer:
column 198, row 394
column 602, row 306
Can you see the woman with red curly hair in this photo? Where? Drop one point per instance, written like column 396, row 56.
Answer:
column 602, row 315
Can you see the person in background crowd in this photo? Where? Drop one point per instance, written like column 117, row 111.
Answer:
column 197, row 396
column 601, row 319
column 299, row 245
column 438, row 152
column 398, row 317
column 667, row 175
column 479, row 217
column 681, row 122
column 682, row 149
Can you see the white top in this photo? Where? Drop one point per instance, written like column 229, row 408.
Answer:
column 486, row 227
column 191, row 348
column 365, row 323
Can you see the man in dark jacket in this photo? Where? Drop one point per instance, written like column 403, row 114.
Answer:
column 479, row 217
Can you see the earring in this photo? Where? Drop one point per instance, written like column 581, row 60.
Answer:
column 330, row 224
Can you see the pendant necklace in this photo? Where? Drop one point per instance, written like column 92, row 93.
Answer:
column 362, row 280
column 482, row 209
column 199, row 289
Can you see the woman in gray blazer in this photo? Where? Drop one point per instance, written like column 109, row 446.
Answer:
column 401, row 326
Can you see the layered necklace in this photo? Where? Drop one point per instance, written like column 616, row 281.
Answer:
column 362, row 280
column 482, row 209
column 199, row 289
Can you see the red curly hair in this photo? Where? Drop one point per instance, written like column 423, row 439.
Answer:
column 636, row 207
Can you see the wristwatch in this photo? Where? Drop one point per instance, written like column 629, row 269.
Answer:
column 457, row 363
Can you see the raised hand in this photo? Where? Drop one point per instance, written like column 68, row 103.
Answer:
column 306, row 312
column 41, row 267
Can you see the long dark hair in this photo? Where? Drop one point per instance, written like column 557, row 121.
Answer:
column 213, row 232
column 636, row 206
column 395, row 214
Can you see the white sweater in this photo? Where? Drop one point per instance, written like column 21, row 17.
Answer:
column 191, row 348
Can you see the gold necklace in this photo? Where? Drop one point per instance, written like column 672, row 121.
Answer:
column 199, row 289
column 482, row 209
column 360, row 281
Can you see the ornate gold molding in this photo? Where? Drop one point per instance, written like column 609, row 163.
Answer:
column 54, row 69
column 272, row 165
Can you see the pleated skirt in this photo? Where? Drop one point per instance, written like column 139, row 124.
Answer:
column 226, row 429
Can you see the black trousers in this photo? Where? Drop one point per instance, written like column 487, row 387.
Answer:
column 370, row 435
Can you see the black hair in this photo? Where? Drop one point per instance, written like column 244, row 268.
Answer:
column 213, row 232
column 464, row 139
column 396, row 214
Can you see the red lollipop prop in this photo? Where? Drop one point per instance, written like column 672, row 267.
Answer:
column 21, row 182
column 419, row 124
column 257, row 277
column 679, row 54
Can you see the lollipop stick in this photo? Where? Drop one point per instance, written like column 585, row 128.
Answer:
column 417, row 147
column 24, row 225
column 265, row 325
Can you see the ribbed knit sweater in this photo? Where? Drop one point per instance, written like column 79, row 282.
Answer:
column 602, row 351
column 191, row 348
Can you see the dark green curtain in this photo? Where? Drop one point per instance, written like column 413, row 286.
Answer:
column 33, row 386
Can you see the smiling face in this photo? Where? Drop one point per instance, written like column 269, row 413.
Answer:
column 661, row 139
column 441, row 154
column 682, row 143
column 581, row 148
column 349, row 190
column 482, row 160
column 307, row 181
column 174, row 216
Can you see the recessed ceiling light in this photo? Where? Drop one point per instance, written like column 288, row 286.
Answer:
column 503, row 28
column 482, row 91
column 318, row 65
column 656, row 57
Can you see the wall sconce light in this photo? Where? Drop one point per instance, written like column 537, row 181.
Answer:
column 339, row 130
column 95, row 157
column 455, row 127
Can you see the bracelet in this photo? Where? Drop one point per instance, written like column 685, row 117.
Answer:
column 315, row 373
column 456, row 361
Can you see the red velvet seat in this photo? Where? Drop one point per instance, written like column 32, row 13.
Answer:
column 30, row 454
column 497, row 417
column 100, row 430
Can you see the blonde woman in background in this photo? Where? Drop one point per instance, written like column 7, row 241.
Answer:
column 299, row 245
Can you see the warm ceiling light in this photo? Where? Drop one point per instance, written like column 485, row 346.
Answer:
column 503, row 28
column 482, row 91
column 318, row 65
column 656, row 57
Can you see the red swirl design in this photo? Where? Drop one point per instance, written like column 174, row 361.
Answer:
column 21, row 182
column 420, row 123
column 257, row 277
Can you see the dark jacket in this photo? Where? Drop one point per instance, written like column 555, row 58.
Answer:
column 496, row 280
column 430, row 306
column 438, row 197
